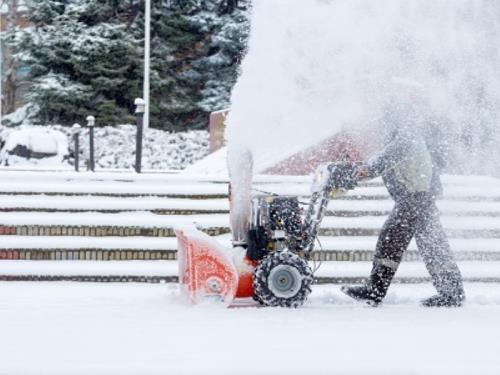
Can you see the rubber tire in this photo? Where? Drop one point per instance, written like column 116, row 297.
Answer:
column 262, row 292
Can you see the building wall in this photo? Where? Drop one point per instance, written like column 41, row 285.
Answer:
column 14, row 84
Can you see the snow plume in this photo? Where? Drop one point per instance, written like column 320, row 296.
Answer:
column 315, row 67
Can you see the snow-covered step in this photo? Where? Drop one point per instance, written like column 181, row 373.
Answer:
column 105, row 243
column 363, row 243
column 211, row 190
column 467, row 192
column 72, row 268
column 104, row 188
column 173, row 206
column 161, row 177
column 471, row 271
column 158, row 248
column 116, row 272
column 138, row 219
column 342, row 207
column 183, row 185
column 166, row 271
column 356, row 225
column 347, row 243
column 147, row 224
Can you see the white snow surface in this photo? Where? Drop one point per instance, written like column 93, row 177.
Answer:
column 148, row 219
column 83, row 242
column 137, row 219
column 37, row 140
column 110, row 203
column 216, row 162
column 78, row 328
column 123, row 182
column 469, row 269
column 61, row 202
column 459, row 207
column 115, row 146
column 361, row 243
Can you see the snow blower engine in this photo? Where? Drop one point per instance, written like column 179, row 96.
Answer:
column 272, row 267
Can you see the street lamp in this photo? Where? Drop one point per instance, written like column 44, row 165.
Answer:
column 76, row 140
column 139, row 113
column 147, row 48
column 90, row 124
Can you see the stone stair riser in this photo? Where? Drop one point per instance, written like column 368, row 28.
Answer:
column 92, row 278
column 119, row 195
column 174, row 279
column 98, row 231
column 170, row 254
column 105, row 231
column 175, row 212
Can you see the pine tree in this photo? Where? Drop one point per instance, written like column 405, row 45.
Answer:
column 196, row 47
column 83, row 60
column 174, row 45
column 225, row 51
column 86, row 57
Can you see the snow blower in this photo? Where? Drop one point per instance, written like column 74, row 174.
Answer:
column 272, row 267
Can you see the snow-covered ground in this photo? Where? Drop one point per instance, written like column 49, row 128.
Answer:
column 72, row 328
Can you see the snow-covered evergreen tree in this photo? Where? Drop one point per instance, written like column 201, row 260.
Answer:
column 86, row 57
column 83, row 60
column 196, row 47
column 225, row 51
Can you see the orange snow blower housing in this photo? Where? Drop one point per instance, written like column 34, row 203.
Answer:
column 272, row 265
column 207, row 269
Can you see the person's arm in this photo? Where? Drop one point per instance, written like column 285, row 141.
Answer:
column 390, row 156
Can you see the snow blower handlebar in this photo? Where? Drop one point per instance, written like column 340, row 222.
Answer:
column 330, row 181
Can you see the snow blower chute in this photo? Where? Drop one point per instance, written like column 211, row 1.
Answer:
column 272, row 266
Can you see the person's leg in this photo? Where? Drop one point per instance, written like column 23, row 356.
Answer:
column 438, row 258
column 393, row 240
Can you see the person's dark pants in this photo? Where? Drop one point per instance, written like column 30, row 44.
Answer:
column 415, row 216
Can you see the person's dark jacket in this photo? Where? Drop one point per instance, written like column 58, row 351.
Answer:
column 405, row 162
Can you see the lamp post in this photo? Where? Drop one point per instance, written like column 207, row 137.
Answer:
column 139, row 113
column 90, row 124
column 147, row 49
column 76, row 140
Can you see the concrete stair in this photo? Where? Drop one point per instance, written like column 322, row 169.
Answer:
column 64, row 217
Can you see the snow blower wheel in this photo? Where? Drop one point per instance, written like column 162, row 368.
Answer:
column 282, row 279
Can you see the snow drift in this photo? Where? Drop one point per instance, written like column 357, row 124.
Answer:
column 114, row 147
column 37, row 147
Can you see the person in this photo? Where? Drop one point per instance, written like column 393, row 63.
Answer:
column 412, row 178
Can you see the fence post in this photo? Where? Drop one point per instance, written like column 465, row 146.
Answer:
column 139, row 113
column 90, row 124
column 76, row 140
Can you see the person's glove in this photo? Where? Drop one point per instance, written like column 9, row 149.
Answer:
column 362, row 172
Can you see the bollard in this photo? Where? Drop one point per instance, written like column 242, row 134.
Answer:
column 76, row 140
column 90, row 124
column 139, row 112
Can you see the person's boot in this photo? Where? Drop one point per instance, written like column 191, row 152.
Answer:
column 362, row 293
column 450, row 291
column 440, row 300
column 375, row 290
